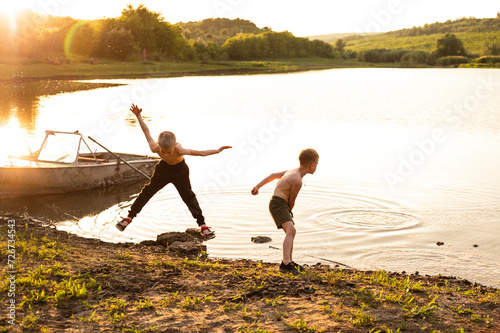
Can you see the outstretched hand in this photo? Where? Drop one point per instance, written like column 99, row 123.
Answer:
column 135, row 109
column 255, row 190
column 224, row 147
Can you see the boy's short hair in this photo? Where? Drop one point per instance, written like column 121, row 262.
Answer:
column 308, row 156
column 166, row 140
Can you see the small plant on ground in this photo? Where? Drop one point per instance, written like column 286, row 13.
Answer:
column 361, row 319
column 144, row 304
column 301, row 325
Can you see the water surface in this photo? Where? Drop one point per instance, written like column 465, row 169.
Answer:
column 409, row 158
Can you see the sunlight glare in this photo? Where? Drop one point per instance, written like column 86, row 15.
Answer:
column 15, row 136
column 12, row 9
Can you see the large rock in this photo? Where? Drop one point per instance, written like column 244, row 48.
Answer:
column 195, row 232
column 182, row 243
column 187, row 248
column 148, row 243
column 168, row 238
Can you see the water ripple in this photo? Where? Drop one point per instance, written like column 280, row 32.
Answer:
column 368, row 220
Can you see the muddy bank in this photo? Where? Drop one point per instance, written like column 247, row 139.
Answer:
column 66, row 283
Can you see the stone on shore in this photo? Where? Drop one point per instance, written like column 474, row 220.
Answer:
column 195, row 232
column 187, row 243
column 261, row 239
column 187, row 248
column 168, row 238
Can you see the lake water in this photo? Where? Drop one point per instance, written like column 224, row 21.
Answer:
column 409, row 158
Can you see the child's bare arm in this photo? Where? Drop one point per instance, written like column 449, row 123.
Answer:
column 192, row 152
column 266, row 180
column 152, row 143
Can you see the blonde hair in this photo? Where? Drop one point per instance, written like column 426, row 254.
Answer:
column 166, row 140
column 308, row 156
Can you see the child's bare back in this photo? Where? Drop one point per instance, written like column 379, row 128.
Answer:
column 290, row 179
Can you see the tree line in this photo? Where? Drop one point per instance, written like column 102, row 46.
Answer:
column 118, row 38
column 461, row 25
column 450, row 50
column 276, row 45
column 447, row 46
column 139, row 31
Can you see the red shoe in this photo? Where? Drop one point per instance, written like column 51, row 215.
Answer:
column 123, row 223
column 207, row 235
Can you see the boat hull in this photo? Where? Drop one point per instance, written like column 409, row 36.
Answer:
column 52, row 178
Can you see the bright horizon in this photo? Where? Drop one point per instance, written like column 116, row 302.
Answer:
column 317, row 17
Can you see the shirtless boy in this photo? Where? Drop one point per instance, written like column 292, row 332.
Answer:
column 283, row 201
column 171, row 169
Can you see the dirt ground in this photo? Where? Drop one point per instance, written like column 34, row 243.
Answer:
column 66, row 283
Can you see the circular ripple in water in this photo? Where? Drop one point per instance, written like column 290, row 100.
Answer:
column 369, row 219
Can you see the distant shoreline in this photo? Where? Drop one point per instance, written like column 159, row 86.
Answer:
column 19, row 73
column 213, row 72
column 15, row 73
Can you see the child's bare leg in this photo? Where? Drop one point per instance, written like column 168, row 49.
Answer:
column 290, row 231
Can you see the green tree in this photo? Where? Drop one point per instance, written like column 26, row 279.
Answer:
column 322, row 49
column 119, row 43
column 53, row 31
column 450, row 45
column 235, row 47
column 83, row 40
column 150, row 31
column 142, row 23
column 340, row 46
column 274, row 45
column 491, row 49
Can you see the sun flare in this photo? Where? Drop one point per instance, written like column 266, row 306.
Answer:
column 15, row 136
column 11, row 10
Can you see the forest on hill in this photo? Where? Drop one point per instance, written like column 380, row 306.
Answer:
column 219, row 29
column 462, row 25
column 423, row 37
column 141, row 33
column 467, row 42
column 480, row 38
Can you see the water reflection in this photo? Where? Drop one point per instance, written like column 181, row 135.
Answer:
column 70, row 206
column 364, row 123
column 20, row 105
column 20, row 100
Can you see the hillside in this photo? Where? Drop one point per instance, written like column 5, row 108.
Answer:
column 475, row 33
column 332, row 38
column 462, row 25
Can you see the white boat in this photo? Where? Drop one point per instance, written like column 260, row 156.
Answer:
column 57, row 167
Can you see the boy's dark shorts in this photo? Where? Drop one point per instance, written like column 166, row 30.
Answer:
column 280, row 211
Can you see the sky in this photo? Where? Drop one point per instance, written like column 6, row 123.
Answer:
column 302, row 18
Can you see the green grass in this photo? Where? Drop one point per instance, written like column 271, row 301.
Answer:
column 473, row 42
column 36, row 69
column 40, row 70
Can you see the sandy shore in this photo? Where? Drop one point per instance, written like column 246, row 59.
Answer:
column 66, row 283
